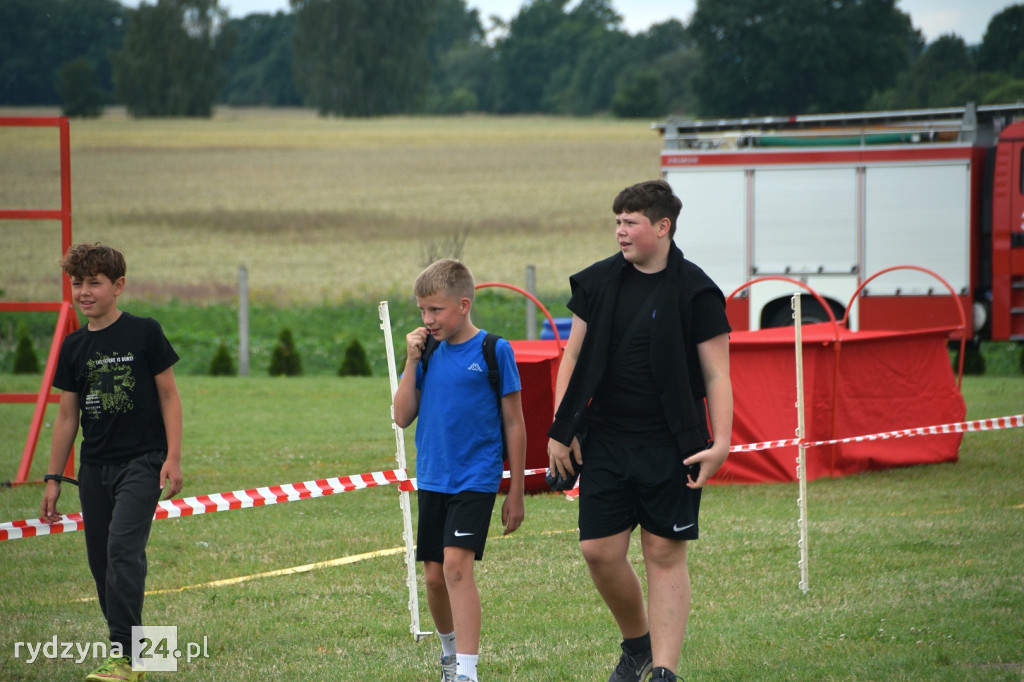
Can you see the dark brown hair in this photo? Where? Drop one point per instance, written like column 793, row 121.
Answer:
column 86, row 260
column 654, row 198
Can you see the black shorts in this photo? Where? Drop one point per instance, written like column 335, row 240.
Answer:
column 625, row 485
column 446, row 520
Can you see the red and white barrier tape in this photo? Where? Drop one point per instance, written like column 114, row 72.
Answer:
column 995, row 424
column 258, row 497
column 237, row 499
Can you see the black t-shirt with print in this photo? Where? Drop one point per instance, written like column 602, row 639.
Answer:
column 113, row 372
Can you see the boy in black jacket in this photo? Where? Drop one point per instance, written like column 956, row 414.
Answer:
column 649, row 343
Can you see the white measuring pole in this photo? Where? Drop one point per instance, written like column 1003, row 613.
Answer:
column 801, row 460
column 403, row 495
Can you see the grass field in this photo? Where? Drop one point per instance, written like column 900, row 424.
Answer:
column 914, row 573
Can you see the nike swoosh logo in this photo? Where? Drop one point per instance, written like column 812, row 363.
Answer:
column 680, row 529
column 461, row 535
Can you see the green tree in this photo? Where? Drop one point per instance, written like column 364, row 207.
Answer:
column 453, row 26
column 763, row 57
column 78, row 90
column 171, row 63
column 936, row 78
column 260, row 70
column 460, row 63
column 1002, row 47
column 38, row 36
column 1006, row 90
column 527, row 55
column 362, row 57
column 541, row 63
column 462, row 80
column 639, row 96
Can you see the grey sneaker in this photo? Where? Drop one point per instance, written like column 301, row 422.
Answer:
column 632, row 667
column 464, row 678
column 448, row 668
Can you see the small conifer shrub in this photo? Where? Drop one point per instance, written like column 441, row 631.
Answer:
column 25, row 360
column 355, row 363
column 284, row 359
column 222, row 365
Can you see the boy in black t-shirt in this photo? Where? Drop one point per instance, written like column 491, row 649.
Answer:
column 649, row 343
column 116, row 375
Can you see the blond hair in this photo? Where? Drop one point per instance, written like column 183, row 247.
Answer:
column 446, row 276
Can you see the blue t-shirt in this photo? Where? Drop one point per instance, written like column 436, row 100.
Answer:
column 458, row 429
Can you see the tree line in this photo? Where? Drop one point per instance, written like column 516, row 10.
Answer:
column 378, row 57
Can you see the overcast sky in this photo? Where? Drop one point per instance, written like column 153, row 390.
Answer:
column 966, row 18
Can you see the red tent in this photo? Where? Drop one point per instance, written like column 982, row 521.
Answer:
column 855, row 383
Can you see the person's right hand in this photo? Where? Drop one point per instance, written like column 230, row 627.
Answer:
column 415, row 342
column 49, row 505
column 563, row 458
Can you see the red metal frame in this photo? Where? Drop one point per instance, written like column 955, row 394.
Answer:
column 837, row 346
column 953, row 297
column 795, row 282
column 67, row 321
column 543, row 309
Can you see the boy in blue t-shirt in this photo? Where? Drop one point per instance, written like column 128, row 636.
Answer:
column 458, row 454
column 115, row 375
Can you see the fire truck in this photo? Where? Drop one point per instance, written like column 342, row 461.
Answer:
column 885, row 217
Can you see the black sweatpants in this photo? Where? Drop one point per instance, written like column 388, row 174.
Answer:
column 118, row 502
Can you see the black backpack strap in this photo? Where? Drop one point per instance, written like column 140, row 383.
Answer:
column 494, row 376
column 491, row 357
column 428, row 350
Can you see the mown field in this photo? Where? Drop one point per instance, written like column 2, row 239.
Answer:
column 914, row 573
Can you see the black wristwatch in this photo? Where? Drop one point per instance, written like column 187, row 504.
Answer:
column 58, row 478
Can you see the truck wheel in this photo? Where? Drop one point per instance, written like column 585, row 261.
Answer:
column 811, row 313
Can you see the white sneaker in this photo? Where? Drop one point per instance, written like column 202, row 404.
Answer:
column 448, row 668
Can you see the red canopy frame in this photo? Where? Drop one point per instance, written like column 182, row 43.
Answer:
column 67, row 321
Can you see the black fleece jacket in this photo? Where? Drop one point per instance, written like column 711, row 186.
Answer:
column 670, row 333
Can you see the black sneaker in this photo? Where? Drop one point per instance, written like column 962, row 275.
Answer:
column 632, row 667
column 664, row 674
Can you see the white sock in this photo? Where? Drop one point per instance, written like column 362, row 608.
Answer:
column 447, row 643
column 465, row 664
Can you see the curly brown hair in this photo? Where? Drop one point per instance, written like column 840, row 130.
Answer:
column 86, row 260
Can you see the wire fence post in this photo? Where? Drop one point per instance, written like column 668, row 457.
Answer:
column 531, row 309
column 243, row 321
column 801, row 460
column 403, row 495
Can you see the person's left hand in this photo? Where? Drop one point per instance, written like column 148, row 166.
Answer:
column 171, row 478
column 710, row 460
